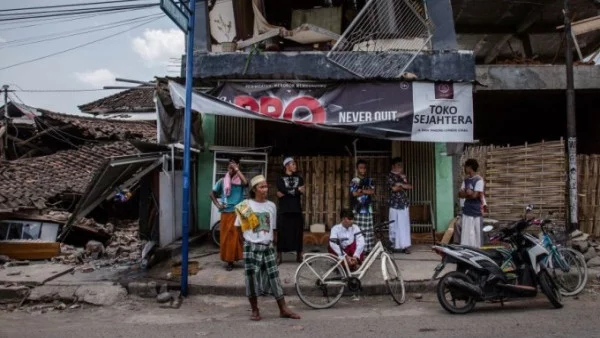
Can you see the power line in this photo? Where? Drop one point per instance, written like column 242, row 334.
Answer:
column 17, row 97
column 66, row 34
column 78, row 46
column 67, row 5
column 46, row 14
column 59, row 90
column 51, row 20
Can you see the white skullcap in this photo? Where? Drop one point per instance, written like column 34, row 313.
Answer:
column 287, row 160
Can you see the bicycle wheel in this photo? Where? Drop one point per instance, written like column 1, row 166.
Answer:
column 569, row 271
column 216, row 234
column 320, row 282
column 393, row 279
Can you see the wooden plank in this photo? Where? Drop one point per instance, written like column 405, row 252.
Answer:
column 307, row 192
column 595, row 184
column 593, row 201
column 319, row 187
column 586, row 191
column 32, row 250
column 340, row 187
column 330, row 184
column 348, row 163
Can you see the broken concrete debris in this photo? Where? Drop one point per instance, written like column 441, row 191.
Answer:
column 164, row 297
column 588, row 247
column 122, row 248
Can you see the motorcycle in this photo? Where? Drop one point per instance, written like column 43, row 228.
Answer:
column 479, row 276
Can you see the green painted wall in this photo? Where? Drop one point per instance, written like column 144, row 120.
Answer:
column 444, row 188
column 205, row 173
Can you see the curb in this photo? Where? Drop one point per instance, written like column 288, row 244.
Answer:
column 290, row 290
column 150, row 289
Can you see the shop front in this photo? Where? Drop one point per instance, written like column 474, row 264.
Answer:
column 328, row 126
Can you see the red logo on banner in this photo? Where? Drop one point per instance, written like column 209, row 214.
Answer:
column 444, row 90
column 302, row 109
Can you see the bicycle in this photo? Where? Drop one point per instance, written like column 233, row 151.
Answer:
column 336, row 274
column 564, row 263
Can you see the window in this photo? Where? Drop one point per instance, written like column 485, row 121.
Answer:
column 15, row 230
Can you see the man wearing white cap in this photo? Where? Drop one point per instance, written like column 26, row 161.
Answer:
column 257, row 219
column 290, row 187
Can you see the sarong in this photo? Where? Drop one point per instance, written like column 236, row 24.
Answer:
column 365, row 223
column 260, row 269
column 230, row 242
column 470, row 232
column 290, row 232
column 400, row 229
column 349, row 250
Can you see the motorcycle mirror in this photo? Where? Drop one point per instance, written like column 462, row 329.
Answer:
column 488, row 228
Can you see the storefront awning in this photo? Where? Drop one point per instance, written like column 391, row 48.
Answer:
column 409, row 111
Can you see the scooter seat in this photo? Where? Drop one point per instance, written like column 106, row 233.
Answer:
column 495, row 255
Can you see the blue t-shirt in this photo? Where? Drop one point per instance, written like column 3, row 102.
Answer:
column 235, row 197
column 472, row 206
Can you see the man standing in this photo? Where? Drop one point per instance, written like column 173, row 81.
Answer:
column 471, row 191
column 257, row 219
column 230, row 188
column 362, row 189
column 290, row 187
column 400, row 229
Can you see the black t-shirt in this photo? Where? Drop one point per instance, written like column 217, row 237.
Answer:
column 288, row 185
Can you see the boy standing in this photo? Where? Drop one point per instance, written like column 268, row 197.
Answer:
column 362, row 189
column 471, row 191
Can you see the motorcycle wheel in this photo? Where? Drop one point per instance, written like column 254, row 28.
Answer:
column 450, row 305
column 550, row 289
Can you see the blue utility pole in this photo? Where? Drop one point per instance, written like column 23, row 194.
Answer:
column 189, row 81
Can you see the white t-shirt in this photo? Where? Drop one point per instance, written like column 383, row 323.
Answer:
column 347, row 237
column 479, row 187
column 267, row 218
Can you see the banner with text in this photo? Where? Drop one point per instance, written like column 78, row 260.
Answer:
column 416, row 111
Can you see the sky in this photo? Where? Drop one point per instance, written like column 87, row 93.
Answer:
column 140, row 54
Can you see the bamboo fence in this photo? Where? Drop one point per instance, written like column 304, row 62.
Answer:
column 589, row 197
column 521, row 175
column 327, row 181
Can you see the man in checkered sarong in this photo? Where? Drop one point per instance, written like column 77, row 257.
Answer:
column 362, row 189
column 257, row 217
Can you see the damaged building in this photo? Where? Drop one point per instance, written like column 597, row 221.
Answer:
column 71, row 179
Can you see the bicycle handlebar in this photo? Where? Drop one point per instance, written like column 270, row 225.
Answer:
column 383, row 224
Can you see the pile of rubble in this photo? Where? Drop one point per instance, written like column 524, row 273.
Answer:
column 588, row 247
column 123, row 248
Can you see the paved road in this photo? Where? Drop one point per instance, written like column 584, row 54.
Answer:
column 213, row 316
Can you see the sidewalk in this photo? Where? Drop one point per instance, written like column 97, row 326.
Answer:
column 212, row 278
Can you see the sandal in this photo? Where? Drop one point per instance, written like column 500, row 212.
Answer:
column 229, row 267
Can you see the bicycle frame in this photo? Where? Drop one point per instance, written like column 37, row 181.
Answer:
column 378, row 250
column 547, row 261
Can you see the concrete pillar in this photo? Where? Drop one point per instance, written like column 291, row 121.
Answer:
column 444, row 34
column 205, row 159
column 444, row 188
column 202, row 27
column 205, row 173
